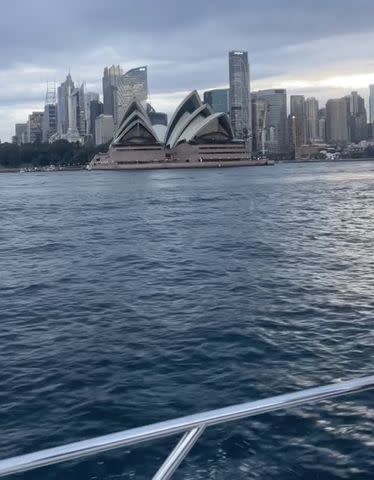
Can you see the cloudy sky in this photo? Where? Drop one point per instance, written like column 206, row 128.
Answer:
column 316, row 47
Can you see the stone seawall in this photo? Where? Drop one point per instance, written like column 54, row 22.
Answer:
column 173, row 165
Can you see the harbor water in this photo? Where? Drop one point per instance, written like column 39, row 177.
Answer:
column 128, row 298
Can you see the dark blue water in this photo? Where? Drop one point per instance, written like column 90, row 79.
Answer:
column 130, row 298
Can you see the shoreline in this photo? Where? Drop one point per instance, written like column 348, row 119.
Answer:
column 65, row 169
column 9, row 170
column 340, row 160
column 177, row 165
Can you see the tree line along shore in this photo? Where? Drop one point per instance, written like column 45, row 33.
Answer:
column 60, row 153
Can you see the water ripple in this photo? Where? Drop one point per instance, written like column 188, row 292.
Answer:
column 131, row 298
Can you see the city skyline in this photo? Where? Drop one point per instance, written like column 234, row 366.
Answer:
column 101, row 95
column 276, row 135
column 316, row 55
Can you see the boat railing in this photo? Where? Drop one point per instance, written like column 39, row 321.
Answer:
column 191, row 427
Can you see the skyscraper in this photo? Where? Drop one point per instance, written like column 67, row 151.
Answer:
column 72, row 134
column 96, row 109
column 35, row 127
column 322, row 124
column 240, row 94
column 88, row 98
column 79, row 112
column 371, row 131
column 63, row 93
column 21, row 133
column 297, row 106
column 276, row 141
column 49, row 121
column 322, row 129
column 297, row 123
column 337, row 121
column 371, row 101
column 110, row 83
column 104, row 127
column 133, row 85
column 218, row 99
column 50, row 113
column 259, row 121
column 358, row 118
column 312, row 121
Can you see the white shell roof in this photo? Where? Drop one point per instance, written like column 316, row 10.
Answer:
column 187, row 106
column 204, row 111
column 200, row 123
column 191, row 117
column 135, row 114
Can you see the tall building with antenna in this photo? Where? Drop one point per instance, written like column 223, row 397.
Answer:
column 76, row 129
column 63, row 93
column 50, row 113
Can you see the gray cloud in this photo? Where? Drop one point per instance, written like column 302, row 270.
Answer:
column 184, row 44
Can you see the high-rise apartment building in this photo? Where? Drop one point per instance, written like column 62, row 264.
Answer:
column 338, row 120
column 358, row 118
column 353, row 99
column 110, row 83
column 73, row 135
column 297, row 106
column 276, row 141
column 371, row 103
column 49, row 121
column 322, row 125
column 96, row 109
column 35, row 127
column 218, row 99
column 312, row 120
column 104, row 129
column 79, row 110
column 133, row 85
column 88, row 98
column 50, row 113
column 322, row 129
column 240, row 104
column 370, row 131
column 63, row 94
column 259, row 121
column 21, row 133
column 297, row 121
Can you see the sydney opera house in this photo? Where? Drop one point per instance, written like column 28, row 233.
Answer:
column 195, row 137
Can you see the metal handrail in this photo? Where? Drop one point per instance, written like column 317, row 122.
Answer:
column 191, row 426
